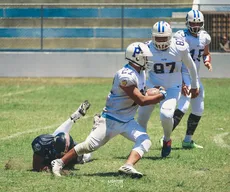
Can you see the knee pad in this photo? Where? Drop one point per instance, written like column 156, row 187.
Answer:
column 197, row 108
column 183, row 103
column 142, row 144
column 167, row 109
column 166, row 114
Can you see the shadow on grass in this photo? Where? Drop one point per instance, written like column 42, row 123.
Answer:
column 149, row 158
column 100, row 174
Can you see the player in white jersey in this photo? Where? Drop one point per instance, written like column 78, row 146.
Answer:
column 198, row 41
column 168, row 55
column 128, row 91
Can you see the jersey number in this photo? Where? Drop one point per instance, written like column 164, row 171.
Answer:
column 160, row 68
column 192, row 53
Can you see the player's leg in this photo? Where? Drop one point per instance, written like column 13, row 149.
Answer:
column 144, row 113
column 167, row 108
column 182, row 107
column 197, row 105
column 67, row 125
column 134, row 132
column 103, row 130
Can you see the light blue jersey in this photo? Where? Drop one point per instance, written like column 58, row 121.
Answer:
column 119, row 105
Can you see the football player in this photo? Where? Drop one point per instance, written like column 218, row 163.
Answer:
column 198, row 40
column 168, row 55
column 47, row 147
column 117, row 117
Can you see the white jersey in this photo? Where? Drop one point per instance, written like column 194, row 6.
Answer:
column 119, row 105
column 166, row 67
column 196, row 44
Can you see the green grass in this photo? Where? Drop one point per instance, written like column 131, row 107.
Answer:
column 30, row 106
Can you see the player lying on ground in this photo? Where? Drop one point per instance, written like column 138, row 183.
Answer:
column 47, row 147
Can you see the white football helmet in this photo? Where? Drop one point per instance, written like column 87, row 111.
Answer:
column 138, row 54
column 194, row 21
column 161, row 35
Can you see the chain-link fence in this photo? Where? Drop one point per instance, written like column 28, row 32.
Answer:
column 97, row 27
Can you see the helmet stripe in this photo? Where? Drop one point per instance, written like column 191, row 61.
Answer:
column 159, row 27
column 194, row 13
column 163, row 27
column 198, row 13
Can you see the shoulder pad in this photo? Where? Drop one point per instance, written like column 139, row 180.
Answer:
column 206, row 36
column 179, row 34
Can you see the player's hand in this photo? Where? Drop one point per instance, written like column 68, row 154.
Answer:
column 208, row 65
column 185, row 90
column 159, row 87
column 194, row 92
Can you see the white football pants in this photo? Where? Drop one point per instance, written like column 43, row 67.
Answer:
column 167, row 108
column 197, row 104
column 105, row 129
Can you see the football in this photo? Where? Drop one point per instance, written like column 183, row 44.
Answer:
column 152, row 91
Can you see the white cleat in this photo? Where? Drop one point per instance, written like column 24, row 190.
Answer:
column 57, row 166
column 87, row 157
column 81, row 111
column 130, row 171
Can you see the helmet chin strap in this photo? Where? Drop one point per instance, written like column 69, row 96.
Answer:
column 141, row 67
column 136, row 64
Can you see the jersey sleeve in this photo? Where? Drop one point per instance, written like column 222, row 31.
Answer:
column 207, row 37
column 127, row 79
column 188, row 61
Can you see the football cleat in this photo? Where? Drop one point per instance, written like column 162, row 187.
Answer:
column 87, row 157
column 191, row 145
column 81, row 111
column 57, row 166
column 166, row 149
column 130, row 171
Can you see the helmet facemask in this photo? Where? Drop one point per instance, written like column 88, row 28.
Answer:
column 161, row 43
column 195, row 27
column 161, row 35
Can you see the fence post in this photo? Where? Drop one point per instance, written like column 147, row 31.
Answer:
column 42, row 15
column 122, row 27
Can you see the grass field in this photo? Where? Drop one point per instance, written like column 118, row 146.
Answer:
column 29, row 107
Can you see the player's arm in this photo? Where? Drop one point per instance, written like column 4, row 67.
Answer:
column 139, row 98
column 188, row 61
column 207, row 58
column 38, row 163
column 185, row 80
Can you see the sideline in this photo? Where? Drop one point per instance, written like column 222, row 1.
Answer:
column 22, row 92
column 218, row 139
column 18, row 134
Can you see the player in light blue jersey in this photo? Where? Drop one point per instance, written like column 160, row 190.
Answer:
column 127, row 93
column 168, row 55
column 198, row 41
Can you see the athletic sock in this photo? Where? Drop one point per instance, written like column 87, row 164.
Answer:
column 192, row 124
column 178, row 115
